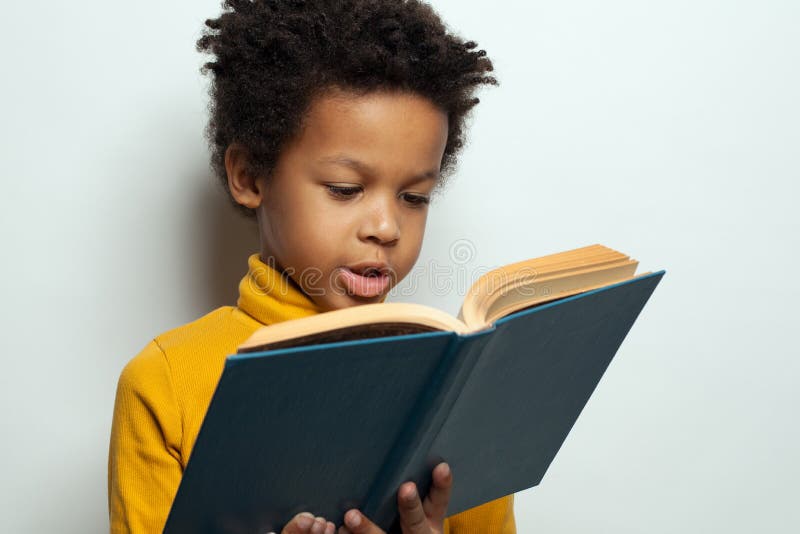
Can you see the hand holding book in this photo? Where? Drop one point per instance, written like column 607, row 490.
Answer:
column 416, row 516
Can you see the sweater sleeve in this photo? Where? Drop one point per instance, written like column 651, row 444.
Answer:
column 144, row 460
column 494, row 517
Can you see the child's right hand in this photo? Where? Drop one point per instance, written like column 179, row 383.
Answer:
column 416, row 517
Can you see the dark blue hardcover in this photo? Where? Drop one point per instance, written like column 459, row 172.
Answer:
column 324, row 428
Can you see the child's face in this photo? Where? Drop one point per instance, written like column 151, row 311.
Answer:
column 323, row 235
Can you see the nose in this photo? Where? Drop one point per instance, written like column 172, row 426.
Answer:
column 380, row 223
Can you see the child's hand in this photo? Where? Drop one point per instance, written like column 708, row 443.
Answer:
column 415, row 517
column 305, row 523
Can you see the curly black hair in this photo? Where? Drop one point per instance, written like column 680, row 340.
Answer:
column 273, row 57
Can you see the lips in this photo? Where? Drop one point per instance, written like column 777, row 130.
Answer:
column 365, row 279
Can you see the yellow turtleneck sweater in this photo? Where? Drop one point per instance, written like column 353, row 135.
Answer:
column 163, row 394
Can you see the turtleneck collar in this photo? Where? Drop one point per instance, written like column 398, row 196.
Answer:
column 270, row 297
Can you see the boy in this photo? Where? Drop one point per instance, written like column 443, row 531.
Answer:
column 332, row 124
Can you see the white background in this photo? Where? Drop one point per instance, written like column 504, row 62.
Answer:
column 667, row 130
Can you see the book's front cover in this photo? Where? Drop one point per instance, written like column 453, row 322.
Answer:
column 409, row 459
column 527, row 389
column 256, row 462
column 301, row 429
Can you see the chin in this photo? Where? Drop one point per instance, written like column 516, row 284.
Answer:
column 349, row 301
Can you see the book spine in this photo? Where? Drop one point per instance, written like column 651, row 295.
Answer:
column 408, row 458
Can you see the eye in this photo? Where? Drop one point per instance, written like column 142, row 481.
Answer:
column 417, row 200
column 343, row 192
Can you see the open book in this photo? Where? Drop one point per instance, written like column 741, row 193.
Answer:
column 495, row 294
column 336, row 410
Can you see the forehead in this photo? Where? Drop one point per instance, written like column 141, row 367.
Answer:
column 383, row 128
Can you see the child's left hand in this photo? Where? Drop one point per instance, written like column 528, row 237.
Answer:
column 416, row 517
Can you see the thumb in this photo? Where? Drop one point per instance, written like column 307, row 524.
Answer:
column 357, row 523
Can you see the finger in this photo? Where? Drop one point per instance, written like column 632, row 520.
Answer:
column 319, row 525
column 435, row 504
column 330, row 528
column 412, row 516
column 358, row 523
column 300, row 524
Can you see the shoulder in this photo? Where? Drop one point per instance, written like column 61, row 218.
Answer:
column 170, row 354
column 142, row 368
column 166, row 344
column 204, row 341
column 205, row 329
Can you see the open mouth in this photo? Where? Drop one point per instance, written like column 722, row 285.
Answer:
column 370, row 272
column 364, row 281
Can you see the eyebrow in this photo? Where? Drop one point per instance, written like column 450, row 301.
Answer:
column 347, row 161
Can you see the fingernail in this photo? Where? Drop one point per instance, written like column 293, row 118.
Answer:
column 446, row 470
column 353, row 518
column 305, row 520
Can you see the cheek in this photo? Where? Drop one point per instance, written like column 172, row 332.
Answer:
column 415, row 227
column 321, row 233
column 413, row 232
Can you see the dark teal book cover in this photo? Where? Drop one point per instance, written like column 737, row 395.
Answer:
column 326, row 428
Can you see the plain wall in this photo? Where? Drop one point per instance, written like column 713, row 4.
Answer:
column 667, row 130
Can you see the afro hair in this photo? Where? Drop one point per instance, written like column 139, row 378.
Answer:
column 273, row 57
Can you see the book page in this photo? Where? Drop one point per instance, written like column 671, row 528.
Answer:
column 539, row 280
column 358, row 322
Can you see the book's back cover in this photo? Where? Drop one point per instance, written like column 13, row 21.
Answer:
column 256, row 463
column 528, row 387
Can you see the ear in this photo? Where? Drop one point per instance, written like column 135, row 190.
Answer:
column 245, row 189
